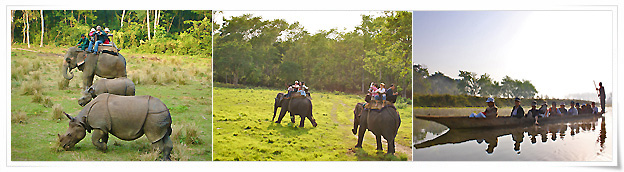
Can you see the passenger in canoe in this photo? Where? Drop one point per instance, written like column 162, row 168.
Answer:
column 594, row 108
column 553, row 111
column 543, row 110
column 586, row 109
column 490, row 112
column 562, row 109
column 534, row 112
column 517, row 110
column 572, row 110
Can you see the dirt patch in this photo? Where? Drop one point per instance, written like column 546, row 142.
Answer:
column 147, row 58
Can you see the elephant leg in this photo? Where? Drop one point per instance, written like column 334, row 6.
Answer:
column 281, row 116
column 97, row 136
column 302, row 122
column 356, row 123
column 390, row 146
column 164, row 146
column 361, row 133
column 87, row 80
column 378, row 138
column 312, row 120
column 292, row 117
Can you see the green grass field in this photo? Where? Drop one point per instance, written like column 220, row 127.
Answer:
column 38, row 94
column 243, row 130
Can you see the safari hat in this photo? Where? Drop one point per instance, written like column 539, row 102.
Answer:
column 562, row 103
column 106, row 30
column 92, row 30
column 489, row 99
column 382, row 84
column 296, row 82
column 517, row 99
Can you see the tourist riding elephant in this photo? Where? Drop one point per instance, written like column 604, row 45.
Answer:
column 301, row 106
column 126, row 117
column 104, row 65
column 118, row 86
column 381, row 122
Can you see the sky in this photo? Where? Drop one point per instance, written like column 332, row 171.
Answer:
column 560, row 52
column 312, row 21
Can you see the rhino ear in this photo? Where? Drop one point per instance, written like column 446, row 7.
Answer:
column 83, row 123
column 91, row 91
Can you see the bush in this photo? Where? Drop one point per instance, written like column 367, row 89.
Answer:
column 187, row 134
column 18, row 117
column 32, row 87
column 57, row 112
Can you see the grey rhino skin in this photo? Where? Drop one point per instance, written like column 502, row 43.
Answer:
column 118, row 86
column 301, row 106
column 384, row 123
column 126, row 117
column 103, row 65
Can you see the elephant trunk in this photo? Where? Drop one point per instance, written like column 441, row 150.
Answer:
column 275, row 108
column 65, row 70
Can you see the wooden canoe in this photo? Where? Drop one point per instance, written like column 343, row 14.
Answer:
column 455, row 136
column 463, row 122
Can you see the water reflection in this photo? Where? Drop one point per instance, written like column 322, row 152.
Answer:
column 554, row 132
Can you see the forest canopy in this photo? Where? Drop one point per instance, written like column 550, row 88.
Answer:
column 180, row 32
column 252, row 51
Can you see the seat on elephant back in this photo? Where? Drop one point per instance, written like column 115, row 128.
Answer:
column 108, row 48
column 377, row 104
column 296, row 95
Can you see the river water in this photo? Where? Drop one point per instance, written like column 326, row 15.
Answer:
column 585, row 140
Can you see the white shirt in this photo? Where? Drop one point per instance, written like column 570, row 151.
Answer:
column 381, row 90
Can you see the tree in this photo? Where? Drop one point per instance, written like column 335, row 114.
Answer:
column 149, row 37
column 123, row 14
column 27, row 28
column 468, row 84
column 421, row 83
column 42, row 32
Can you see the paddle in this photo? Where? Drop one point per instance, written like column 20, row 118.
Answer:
column 596, row 89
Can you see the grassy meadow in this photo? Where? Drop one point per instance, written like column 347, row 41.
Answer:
column 39, row 95
column 243, row 130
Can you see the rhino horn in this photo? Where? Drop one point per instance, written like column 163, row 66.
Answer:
column 67, row 115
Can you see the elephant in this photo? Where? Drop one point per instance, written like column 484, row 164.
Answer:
column 126, row 117
column 104, row 65
column 300, row 105
column 383, row 122
column 118, row 86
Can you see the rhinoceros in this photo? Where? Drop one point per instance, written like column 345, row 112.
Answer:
column 118, row 86
column 126, row 117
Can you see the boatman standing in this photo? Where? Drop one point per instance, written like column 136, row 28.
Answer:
column 517, row 110
column 601, row 94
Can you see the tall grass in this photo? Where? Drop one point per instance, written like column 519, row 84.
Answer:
column 18, row 117
column 57, row 112
column 31, row 87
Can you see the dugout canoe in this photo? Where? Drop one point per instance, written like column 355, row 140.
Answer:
column 455, row 136
column 464, row 122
